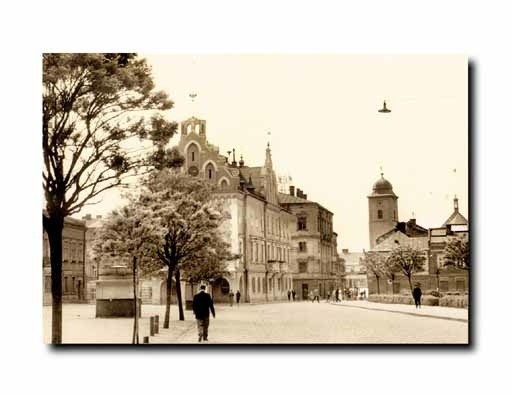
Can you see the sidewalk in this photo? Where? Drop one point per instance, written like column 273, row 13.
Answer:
column 441, row 312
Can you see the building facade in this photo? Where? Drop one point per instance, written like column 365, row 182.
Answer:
column 431, row 242
column 257, row 226
column 73, row 263
column 355, row 274
column 316, row 263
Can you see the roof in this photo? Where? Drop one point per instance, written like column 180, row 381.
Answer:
column 382, row 186
column 456, row 219
column 392, row 239
column 288, row 199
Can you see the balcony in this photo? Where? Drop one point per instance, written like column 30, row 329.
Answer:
column 273, row 266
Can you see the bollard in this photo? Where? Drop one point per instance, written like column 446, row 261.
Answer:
column 146, row 339
column 151, row 326
column 157, row 324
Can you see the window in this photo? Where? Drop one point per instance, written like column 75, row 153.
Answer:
column 302, row 267
column 380, row 214
column 302, row 246
column 302, row 223
column 66, row 285
column 253, row 285
column 460, row 285
column 193, row 156
column 258, row 284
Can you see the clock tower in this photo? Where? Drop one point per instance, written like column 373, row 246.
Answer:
column 383, row 210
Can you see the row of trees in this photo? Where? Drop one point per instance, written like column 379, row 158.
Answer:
column 172, row 225
column 102, row 126
column 409, row 261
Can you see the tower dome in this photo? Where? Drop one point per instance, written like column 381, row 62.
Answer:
column 382, row 186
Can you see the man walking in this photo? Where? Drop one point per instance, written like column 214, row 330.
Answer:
column 417, row 293
column 238, row 297
column 202, row 304
column 337, row 295
column 288, row 295
column 231, row 298
column 293, row 293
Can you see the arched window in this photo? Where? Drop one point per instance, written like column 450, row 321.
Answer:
column 224, row 184
column 210, row 171
column 380, row 214
column 192, row 153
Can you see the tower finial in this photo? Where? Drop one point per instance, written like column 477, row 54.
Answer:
column 456, row 207
column 381, row 171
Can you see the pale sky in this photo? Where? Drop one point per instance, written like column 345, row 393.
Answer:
column 326, row 132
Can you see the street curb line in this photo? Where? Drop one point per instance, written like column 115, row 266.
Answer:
column 462, row 320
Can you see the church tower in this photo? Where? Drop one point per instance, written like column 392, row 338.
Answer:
column 383, row 215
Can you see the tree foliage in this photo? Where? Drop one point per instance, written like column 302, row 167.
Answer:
column 376, row 264
column 457, row 253
column 408, row 260
column 189, row 237
column 95, row 107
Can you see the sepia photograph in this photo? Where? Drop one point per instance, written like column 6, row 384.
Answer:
column 256, row 199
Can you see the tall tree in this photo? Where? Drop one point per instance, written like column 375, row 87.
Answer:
column 95, row 107
column 375, row 264
column 189, row 221
column 457, row 253
column 127, row 235
column 408, row 260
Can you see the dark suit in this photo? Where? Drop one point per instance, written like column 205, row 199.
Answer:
column 417, row 293
column 202, row 304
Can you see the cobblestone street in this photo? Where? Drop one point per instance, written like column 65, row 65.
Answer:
column 298, row 322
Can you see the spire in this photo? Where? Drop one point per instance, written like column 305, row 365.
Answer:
column 268, row 163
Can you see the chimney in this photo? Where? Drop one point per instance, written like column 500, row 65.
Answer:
column 291, row 190
column 298, row 193
column 412, row 221
column 304, row 196
column 345, row 250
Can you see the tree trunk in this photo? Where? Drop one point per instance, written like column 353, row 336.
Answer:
column 378, row 285
column 179, row 298
column 166, row 323
column 54, row 227
column 135, row 339
column 409, row 277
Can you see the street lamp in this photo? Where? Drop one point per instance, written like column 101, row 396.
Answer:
column 384, row 109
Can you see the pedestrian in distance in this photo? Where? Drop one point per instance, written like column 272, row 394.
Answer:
column 417, row 293
column 231, row 297
column 202, row 304
column 238, row 297
column 293, row 293
column 337, row 295
column 289, row 295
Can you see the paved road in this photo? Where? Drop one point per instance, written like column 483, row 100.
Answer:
column 297, row 322
column 305, row 322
